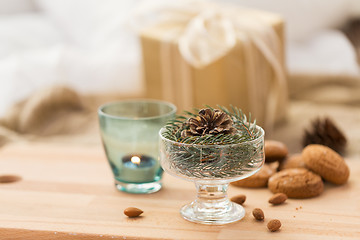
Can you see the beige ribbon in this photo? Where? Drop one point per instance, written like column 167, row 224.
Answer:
column 206, row 32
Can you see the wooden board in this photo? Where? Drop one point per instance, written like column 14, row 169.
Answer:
column 68, row 193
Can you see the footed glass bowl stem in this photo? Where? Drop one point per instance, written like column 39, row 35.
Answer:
column 212, row 205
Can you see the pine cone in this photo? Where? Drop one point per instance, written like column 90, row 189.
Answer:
column 326, row 133
column 209, row 122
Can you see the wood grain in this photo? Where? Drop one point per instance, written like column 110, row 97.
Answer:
column 67, row 192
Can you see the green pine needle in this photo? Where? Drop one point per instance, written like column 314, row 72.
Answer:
column 246, row 130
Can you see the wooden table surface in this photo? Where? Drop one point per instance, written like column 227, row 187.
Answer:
column 67, row 192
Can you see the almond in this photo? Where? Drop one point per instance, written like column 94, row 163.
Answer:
column 274, row 225
column 239, row 199
column 278, row 198
column 9, row 178
column 258, row 214
column 132, row 212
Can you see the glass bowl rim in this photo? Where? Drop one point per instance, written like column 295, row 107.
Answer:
column 214, row 145
column 171, row 112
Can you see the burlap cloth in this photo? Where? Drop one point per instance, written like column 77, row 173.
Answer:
column 63, row 116
column 56, row 114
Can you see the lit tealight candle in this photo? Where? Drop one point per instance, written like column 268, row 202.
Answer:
column 138, row 169
column 136, row 160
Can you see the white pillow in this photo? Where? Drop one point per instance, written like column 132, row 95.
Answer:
column 21, row 32
column 102, row 70
column 328, row 52
column 87, row 22
column 16, row 6
column 305, row 17
column 23, row 73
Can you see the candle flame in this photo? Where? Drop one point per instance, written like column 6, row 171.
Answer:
column 136, row 160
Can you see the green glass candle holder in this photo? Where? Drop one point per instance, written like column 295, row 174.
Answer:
column 129, row 131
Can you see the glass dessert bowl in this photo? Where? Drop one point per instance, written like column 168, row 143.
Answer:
column 212, row 167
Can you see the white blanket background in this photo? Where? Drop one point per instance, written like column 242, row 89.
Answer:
column 85, row 44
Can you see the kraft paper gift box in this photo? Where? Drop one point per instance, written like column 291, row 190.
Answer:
column 219, row 55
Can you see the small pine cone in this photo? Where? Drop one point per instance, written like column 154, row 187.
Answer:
column 326, row 133
column 209, row 122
